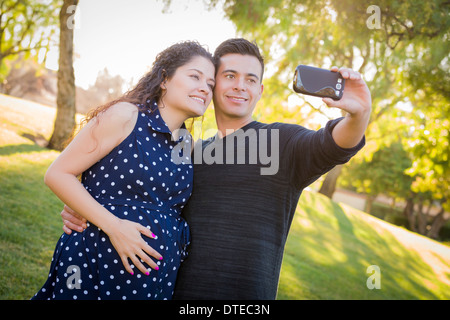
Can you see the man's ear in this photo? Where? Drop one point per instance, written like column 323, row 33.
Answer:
column 261, row 91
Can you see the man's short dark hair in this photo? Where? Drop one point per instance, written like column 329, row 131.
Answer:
column 239, row 46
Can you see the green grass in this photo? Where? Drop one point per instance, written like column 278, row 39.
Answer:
column 331, row 245
column 327, row 254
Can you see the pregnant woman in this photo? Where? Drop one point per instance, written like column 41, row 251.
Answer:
column 131, row 190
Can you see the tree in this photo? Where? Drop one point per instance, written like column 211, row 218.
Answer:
column 328, row 186
column 65, row 100
column 341, row 32
column 429, row 143
column 25, row 27
column 28, row 79
column 383, row 174
column 106, row 88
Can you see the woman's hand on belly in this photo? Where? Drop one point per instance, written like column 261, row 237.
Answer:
column 126, row 237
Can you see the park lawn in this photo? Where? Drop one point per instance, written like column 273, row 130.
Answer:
column 331, row 246
column 327, row 254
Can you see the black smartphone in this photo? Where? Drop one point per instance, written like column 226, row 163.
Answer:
column 318, row 82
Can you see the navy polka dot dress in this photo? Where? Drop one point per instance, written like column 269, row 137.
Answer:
column 138, row 181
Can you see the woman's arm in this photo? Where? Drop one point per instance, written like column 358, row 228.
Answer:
column 93, row 142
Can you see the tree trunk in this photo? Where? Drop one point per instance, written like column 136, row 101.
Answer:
column 329, row 184
column 369, row 203
column 421, row 219
column 409, row 213
column 437, row 224
column 65, row 100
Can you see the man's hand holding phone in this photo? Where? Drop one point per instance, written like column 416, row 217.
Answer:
column 341, row 88
column 356, row 98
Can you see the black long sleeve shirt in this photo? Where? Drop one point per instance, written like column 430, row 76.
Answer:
column 239, row 217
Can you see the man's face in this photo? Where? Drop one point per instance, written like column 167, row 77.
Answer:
column 238, row 86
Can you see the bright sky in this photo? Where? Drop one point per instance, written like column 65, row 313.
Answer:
column 125, row 36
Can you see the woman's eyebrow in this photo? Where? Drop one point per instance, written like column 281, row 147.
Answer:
column 211, row 79
column 196, row 70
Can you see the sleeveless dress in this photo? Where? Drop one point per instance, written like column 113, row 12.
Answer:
column 138, row 181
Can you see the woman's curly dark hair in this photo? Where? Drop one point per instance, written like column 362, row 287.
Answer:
column 148, row 88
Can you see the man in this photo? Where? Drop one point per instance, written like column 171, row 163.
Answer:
column 240, row 215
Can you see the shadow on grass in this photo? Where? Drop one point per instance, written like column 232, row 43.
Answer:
column 20, row 148
column 328, row 253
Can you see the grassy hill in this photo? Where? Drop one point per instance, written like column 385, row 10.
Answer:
column 329, row 249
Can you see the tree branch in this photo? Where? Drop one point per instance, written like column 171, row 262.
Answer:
column 24, row 50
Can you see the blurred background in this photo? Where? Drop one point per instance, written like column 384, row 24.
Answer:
column 59, row 59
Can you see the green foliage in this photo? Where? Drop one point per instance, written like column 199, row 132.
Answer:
column 26, row 27
column 383, row 174
column 404, row 60
column 428, row 138
column 430, row 146
column 325, row 33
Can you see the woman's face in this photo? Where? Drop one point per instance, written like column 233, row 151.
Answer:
column 189, row 90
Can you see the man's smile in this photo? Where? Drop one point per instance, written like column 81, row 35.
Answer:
column 237, row 99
